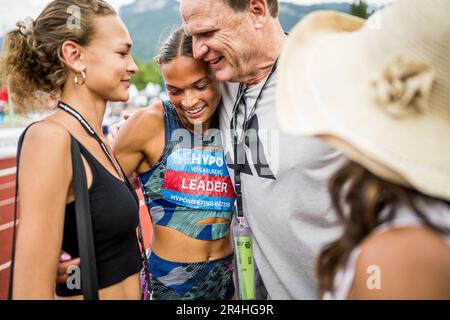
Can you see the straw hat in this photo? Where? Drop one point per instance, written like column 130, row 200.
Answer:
column 380, row 90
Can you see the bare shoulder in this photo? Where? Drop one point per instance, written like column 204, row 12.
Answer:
column 47, row 136
column 151, row 116
column 46, row 153
column 145, row 123
column 411, row 263
column 402, row 244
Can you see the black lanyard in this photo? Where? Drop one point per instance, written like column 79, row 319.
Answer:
column 119, row 170
column 93, row 134
column 240, row 144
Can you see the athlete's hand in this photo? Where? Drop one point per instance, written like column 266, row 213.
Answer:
column 65, row 261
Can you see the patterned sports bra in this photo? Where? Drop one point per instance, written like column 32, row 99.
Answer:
column 190, row 182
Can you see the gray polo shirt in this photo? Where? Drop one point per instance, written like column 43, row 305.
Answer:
column 285, row 194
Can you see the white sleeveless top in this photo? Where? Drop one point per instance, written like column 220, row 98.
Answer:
column 437, row 212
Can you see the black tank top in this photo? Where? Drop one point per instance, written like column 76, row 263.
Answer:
column 115, row 217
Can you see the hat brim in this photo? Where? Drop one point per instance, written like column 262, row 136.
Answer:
column 324, row 87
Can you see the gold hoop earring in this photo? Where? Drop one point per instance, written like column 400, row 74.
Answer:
column 83, row 77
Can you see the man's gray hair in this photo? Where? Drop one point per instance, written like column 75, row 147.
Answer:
column 241, row 5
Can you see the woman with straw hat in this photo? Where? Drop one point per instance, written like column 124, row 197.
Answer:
column 380, row 92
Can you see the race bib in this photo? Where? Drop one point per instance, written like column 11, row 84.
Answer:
column 198, row 178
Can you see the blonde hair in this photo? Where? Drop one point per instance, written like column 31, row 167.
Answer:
column 32, row 63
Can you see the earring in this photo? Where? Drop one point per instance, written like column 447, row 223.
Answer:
column 83, row 77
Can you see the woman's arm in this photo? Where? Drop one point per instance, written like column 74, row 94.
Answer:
column 135, row 141
column 45, row 176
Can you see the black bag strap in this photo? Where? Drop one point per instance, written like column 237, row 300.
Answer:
column 89, row 282
column 13, row 250
column 83, row 219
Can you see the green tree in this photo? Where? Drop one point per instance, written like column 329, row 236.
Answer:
column 359, row 8
column 148, row 72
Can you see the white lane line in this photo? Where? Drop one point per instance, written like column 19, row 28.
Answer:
column 5, row 266
column 7, row 202
column 8, row 225
column 8, row 172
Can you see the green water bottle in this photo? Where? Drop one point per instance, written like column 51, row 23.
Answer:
column 244, row 260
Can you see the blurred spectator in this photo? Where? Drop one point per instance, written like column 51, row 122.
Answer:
column 3, row 103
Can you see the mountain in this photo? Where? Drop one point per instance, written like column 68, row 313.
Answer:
column 291, row 13
column 151, row 22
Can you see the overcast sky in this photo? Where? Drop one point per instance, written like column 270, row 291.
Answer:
column 13, row 11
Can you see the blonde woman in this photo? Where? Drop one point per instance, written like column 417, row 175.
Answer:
column 83, row 65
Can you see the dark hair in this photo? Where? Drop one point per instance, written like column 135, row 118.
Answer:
column 178, row 44
column 362, row 202
column 241, row 5
column 32, row 62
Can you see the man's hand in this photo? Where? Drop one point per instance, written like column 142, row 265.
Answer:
column 114, row 129
column 65, row 261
